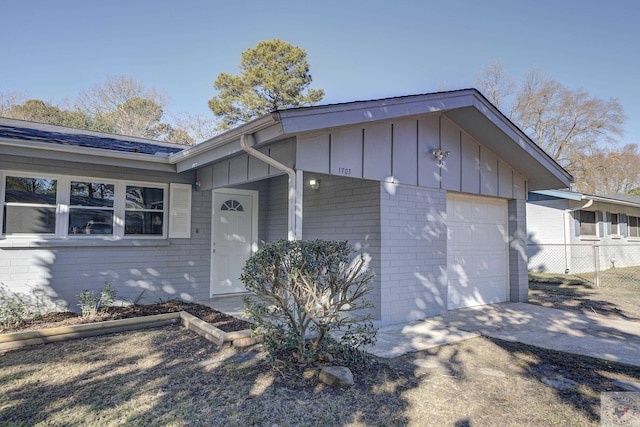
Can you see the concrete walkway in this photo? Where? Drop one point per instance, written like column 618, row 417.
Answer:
column 562, row 330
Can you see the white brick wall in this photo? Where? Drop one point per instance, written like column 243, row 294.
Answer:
column 518, row 277
column 413, row 253
column 346, row 209
column 50, row 278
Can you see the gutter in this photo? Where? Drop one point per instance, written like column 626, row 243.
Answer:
column 90, row 151
column 294, row 223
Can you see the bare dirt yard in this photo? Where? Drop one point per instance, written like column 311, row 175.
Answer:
column 619, row 299
column 171, row 377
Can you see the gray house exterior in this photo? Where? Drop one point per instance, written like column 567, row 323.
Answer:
column 571, row 232
column 431, row 189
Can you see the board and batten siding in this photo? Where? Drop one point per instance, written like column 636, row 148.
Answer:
column 244, row 168
column 401, row 152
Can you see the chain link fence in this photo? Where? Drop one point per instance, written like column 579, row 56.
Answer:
column 594, row 263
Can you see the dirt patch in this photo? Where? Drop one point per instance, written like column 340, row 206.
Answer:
column 610, row 301
column 220, row 320
column 170, row 376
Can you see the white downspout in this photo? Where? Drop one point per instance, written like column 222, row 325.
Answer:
column 568, row 226
column 294, row 223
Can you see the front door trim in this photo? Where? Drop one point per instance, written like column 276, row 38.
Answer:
column 225, row 192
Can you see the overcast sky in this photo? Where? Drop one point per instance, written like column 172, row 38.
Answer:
column 357, row 50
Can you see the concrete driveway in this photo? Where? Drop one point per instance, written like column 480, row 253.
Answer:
column 563, row 330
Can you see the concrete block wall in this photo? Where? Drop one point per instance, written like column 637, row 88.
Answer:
column 49, row 278
column 48, row 274
column 346, row 209
column 413, row 252
column 518, row 257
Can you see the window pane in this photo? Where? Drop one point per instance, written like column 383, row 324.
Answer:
column 31, row 190
column 144, row 198
column 29, row 220
column 141, row 223
column 633, row 226
column 92, row 194
column 614, row 224
column 88, row 221
column 587, row 223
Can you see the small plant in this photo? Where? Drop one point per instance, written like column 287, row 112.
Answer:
column 306, row 291
column 107, row 296
column 90, row 304
column 137, row 299
column 13, row 312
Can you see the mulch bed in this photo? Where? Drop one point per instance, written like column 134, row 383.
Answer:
column 220, row 320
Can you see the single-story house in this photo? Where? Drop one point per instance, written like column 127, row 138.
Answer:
column 430, row 188
column 569, row 232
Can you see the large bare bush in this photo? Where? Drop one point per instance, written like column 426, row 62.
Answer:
column 304, row 290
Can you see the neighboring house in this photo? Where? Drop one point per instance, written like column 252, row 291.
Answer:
column 431, row 189
column 568, row 232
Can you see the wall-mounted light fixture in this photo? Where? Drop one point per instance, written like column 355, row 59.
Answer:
column 314, row 183
column 439, row 154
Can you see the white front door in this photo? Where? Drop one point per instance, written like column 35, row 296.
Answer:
column 234, row 237
column 477, row 268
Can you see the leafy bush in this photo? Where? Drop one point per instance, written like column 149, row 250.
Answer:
column 305, row 291
column 13, row 311
column 91, row 304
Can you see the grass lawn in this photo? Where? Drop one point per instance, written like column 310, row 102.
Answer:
column 171, row 377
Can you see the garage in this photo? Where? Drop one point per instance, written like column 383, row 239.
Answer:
column 477, row 267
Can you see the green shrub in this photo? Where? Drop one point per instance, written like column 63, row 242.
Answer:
column 90, row 304
column 305, row 291
column 13, row 311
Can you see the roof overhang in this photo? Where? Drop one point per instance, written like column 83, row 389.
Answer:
column 575, row 196
column 98, row 156
column 467, row 107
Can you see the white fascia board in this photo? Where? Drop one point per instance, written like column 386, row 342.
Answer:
column 572, row 195
column 610, row 201
column 561, row 194
column 86, row 154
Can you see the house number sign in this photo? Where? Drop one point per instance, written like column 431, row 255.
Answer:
column 344, row 171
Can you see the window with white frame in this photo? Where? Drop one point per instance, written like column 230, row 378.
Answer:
column 30, row 205
column 144, row 211
column 588, row 223
column 633, row 226
column 62, row 206
column 91, row 208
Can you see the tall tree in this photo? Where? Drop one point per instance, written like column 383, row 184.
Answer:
column 274, row 76
column 36, row 110
column 121, row 105
column 608, row 171
column 198, row 127
column 8, row 100
column 495, row 84
column 568, row 124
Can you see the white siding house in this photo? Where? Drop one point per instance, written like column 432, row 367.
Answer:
column 570, row 233
column 430, row 188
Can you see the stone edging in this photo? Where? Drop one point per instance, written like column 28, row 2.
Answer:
column 211, row 333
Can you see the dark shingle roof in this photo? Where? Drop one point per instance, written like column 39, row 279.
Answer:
column 39, row 132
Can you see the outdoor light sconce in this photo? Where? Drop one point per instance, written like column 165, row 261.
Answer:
column 314, row 183
column 439, row 154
